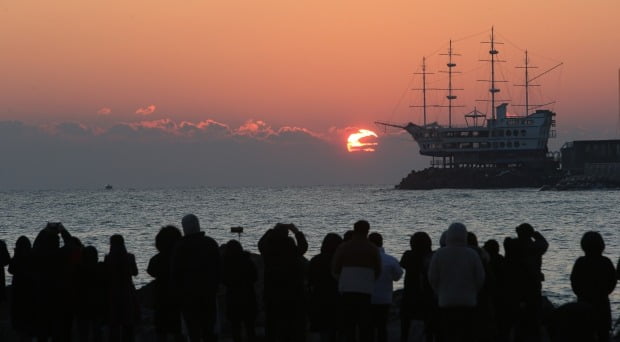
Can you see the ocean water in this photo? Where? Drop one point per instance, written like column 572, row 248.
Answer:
column 94, row 215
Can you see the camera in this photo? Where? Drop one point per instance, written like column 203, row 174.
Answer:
column 237, row 230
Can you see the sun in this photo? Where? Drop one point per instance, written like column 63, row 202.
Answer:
column 355, row 143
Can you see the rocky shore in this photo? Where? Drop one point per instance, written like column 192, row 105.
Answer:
column 477, row 178
column 583, row 182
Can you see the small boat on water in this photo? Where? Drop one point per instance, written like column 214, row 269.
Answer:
column 108, row 187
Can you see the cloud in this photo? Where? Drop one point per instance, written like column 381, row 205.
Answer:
column 104, row 111
column 256, row 129
column 146, row 111
column 168, row 153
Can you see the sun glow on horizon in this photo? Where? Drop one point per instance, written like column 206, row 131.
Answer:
column 354, row 143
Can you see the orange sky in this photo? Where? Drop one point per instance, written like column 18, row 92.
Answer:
column 312, row 64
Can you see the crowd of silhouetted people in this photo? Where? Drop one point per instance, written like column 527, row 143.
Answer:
column 459, row 292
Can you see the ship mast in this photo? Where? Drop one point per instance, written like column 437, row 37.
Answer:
column 493, row 90
column 527, row 86
column 451, row 97
column 424, row 89
column 527, row 83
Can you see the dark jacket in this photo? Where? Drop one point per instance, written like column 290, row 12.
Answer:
column 5, row 258
column 239, row 276
column 324, row 295
column 418, row 298
column 284, row 265
column 122, row 297
column 22, row 293
column 593, row 278
column 167, row 315
column 91, row 291
column 196, row 267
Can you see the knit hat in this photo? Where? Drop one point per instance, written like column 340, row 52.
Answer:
column 190, row 224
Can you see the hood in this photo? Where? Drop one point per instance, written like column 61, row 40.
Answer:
column 456, row 235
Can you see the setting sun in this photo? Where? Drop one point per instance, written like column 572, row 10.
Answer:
column 354, row 143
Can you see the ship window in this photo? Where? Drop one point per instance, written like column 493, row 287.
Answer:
column 475, row 133
column 509, row 144
column 502, row 144
column 508, row 133
column 515, row 132
column 523, row 132
column 500, row 133
column 484, row 145
column 464, row 134
column 476, row 145
column 495, row 144
column 516, row 144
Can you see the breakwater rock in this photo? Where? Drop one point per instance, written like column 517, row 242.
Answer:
column 477, row 178
column 585, row 182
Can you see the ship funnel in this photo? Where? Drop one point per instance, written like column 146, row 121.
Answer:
column 501, row 111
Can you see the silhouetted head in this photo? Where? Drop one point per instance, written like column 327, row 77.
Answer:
column 330, row 243
column 167, row 238
column 510, row 246
column 456, row 235
column 420, row 242
column 524, row 231
column 472, row 239
column 442, row 238
column 190, row 224
column 90, row 256
column 347, row 235
column 233, row 248
column 592, row 243
column 376, row 239
column 492, row 247
column 117, row 244
column 22, row 246
column 361, row 227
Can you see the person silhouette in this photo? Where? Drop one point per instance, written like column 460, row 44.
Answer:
column 323, row 287
column 196, row 275
column 239, row 275
column 357, row 264
column 167, row 313
column 418, row 302
column 381, row 299
column 49, row 267
column 526, row 263
column 497, row 290
column 22, row 290
column 5, row 259
column 284, row 289
column 91, row 296
column 593, row 279
column 123, row 307
column 456, row 275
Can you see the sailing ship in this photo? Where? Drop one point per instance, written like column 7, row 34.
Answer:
column 502, row 140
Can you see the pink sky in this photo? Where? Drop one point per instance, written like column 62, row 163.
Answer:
column 320, row 66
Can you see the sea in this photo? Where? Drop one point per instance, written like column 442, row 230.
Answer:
column 138, row 214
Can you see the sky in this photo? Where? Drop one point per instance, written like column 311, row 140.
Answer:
column 223, row 93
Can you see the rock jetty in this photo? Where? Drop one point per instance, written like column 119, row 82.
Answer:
column 477, row 178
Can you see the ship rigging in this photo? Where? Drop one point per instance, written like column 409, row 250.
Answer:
column 501, row 140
